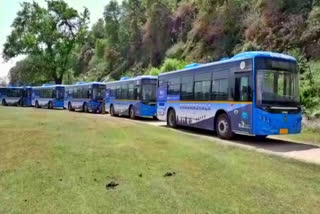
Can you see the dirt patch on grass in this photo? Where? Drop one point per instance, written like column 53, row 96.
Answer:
column 18, row 146
column 112, row 185
column 169, row 174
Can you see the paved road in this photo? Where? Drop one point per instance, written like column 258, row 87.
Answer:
column 273, row 146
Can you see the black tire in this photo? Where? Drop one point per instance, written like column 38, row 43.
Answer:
column 4, row 103
column 171, row 119
column 37, row 104
column 223, row 127
column 20, row 103
column 85, row 108
column 50, row 106
column 70, row 107
column 132, row 113
column 112, row 112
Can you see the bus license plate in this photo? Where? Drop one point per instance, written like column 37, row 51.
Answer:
column 284, row 131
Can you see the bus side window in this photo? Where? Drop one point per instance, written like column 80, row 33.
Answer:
column 131, row 92
column 124, row 91
column 220, row 89
column 202, row 90
column 76, row 92
column 174, row 86
column 187, row 88
column 202, row 86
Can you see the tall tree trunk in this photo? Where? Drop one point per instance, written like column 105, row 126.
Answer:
column 58, row 80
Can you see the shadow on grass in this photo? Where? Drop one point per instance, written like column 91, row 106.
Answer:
column 268, row 144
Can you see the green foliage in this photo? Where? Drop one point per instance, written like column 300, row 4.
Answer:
column 304, row 65
column 176, row 51
column 154, row 71
column 172, row 65
column 157, row 33
column 28, row 71
column 167, row 66
column 111, row 15
column 49, row 34
column 310, row 90
column 154, row 36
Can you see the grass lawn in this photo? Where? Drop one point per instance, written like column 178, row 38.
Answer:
column 308, row 135
column 60, row 162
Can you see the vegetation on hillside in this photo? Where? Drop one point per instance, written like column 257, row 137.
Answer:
column 152, row 36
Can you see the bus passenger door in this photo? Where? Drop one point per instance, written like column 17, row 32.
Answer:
column 161, row 100
column 241, row 116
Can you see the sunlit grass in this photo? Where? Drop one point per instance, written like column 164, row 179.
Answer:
column 60, row 162
column 308, row 135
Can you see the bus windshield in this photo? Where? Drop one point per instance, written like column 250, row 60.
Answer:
column 98, row 93
column 277, row 84
column 149, row 93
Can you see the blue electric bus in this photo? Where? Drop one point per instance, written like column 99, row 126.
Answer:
column 253, row 93
column 88, row 97
column 19, row 96
column 48, row 96
column 134, row 97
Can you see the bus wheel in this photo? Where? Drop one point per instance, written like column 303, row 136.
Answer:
column 223, row 127
column 4, row 103
column 37, row 104
column 171, row 119
column 112, row 111
column 50, row 106
column 20, row 103
column 85, row 108
column 70, row 107
column 132, row 113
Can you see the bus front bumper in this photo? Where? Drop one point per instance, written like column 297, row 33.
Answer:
column 148, row 111
column 276, row 124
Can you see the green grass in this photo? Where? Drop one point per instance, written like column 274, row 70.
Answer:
column 60, row 162
column 308, row 135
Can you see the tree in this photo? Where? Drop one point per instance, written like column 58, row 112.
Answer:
column 49, row 34
column 112, row 14
column 157, row 33
column 3, row 82
column 136, row 19
column 28, row 72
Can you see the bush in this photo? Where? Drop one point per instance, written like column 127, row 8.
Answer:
column 154, row 71
column 310, row 90
column 172, row 65
column 168, row 65
column 176, row 51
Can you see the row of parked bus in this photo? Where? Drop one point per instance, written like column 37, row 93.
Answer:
column 253, row 93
